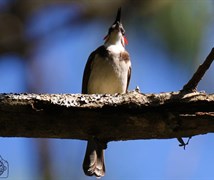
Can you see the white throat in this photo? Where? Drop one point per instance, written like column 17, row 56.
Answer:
column 114, row 47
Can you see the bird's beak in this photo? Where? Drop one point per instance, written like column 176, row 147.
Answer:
column 118, row 16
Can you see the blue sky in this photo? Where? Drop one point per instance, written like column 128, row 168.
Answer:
column 56, row 63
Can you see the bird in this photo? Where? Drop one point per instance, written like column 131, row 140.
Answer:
column 107, row 71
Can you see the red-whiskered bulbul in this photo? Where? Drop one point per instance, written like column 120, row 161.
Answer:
column 107, row 71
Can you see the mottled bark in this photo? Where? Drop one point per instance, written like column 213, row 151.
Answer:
column 108, row 117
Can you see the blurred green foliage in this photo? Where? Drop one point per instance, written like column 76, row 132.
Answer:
column 182, row 25
column 178, row 24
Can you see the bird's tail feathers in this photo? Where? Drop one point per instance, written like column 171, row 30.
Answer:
column 93, row 163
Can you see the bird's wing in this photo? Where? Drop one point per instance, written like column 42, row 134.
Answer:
column 129, row 77
column 125, row 57
column 86, row 75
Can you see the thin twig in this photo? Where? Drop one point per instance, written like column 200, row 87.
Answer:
column 193, row 82
column 182, row 143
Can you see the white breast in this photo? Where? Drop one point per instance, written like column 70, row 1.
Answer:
column 108, row 75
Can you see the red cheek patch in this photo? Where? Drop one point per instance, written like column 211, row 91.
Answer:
column 125, row 40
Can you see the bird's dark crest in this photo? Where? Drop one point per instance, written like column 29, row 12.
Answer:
column 118, row 15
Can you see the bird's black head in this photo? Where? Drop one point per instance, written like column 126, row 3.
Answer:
column 117, row 24
column 116, row 32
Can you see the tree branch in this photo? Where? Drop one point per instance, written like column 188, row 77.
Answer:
column 108, row 117
column 193, row 82
column 111, row 117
